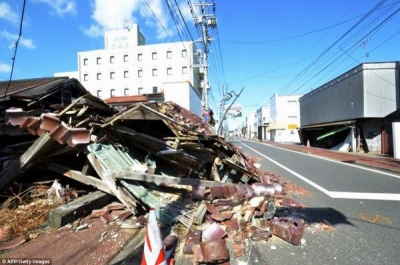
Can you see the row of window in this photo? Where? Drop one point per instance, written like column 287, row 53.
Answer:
column 154, row 56
column 154, row 72
column 126, row 92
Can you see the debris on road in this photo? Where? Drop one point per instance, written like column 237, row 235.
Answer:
column 148, row 156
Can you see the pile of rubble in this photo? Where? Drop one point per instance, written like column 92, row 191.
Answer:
column 159, row 156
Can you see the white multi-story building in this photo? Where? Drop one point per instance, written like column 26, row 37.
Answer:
column 285, row 118
column 263, row 120
column 127, row 67
column 251, row 122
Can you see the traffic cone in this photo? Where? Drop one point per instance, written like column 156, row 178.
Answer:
column 154, row 253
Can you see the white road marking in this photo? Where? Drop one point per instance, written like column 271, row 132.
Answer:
column 335, row 194
column 339, row 162
column 315, row 185
column 365, row 196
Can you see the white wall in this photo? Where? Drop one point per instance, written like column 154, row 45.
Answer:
column 285, row 110
column 186, row 92
column 115, row 71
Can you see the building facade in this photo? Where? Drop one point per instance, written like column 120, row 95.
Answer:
column 285, row 118
column 128, row 67
column 354, row 111
column 263, row 121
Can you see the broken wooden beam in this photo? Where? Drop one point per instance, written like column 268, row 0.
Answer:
column 129, row 175
column 78, row 208
column 16, row 166
column 76, row 175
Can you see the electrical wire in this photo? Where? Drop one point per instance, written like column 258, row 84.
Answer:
column 374, row 29
column 13, row 63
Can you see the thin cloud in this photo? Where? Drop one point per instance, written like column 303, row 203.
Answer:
column 27, row 43
column 5, row 68
column 61, row 7
column 122, row 13
column 8, row 14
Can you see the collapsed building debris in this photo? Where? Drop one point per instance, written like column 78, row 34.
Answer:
column 159, row 156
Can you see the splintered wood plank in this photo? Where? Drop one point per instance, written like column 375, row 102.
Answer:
column 78, row 176
column 130, row 175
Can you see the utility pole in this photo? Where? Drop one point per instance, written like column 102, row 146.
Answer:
column 224, row 99
column 227, row 109
column 204, row 21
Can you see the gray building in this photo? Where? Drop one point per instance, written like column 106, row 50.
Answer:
column 354, row 111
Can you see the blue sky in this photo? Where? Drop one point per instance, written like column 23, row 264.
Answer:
column 281, row 46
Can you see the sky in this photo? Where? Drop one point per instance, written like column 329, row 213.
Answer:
column 287, row 47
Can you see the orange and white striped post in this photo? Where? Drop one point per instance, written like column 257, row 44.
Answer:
column 154, row 253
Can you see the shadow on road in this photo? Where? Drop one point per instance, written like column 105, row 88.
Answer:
column 315, row 215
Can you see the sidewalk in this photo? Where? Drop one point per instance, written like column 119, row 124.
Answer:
column 379, row 162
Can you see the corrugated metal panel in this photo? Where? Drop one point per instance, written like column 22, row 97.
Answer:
column 341, row 99
column 114, row 158
column 366, row 91
column 379, row 92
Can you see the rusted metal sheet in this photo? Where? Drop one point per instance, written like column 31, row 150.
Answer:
column 289, row 229
column 215, row 252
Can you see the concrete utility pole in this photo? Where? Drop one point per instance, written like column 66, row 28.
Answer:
column 227, row 109
column 204, row 21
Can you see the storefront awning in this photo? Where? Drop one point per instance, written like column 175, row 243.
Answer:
column 320, row 125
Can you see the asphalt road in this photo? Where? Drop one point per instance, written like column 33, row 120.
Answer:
column 361, row 204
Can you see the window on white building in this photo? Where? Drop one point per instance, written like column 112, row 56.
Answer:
column 99, row 93
column 98, row 60
column 126, row 74
column 98, row 76
column 184, row 53
column 169, row 54
column 126, row 58
column 155, row 90
column 112, row 93
column 140, row 90
column 140, row 57
column 85, row 61
column 169, row 71
column 154, row 56
column 126, row 92
column 140, row 73
column 112, row 75
column 112, row 59
column 154, row 72
column 184, row 70
column 85, row 77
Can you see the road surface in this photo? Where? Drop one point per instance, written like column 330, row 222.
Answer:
column 361, row 204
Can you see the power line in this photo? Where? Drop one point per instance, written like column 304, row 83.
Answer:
column 374, row 29
column 13, row 61
column 373, row 9
column 297, row 35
